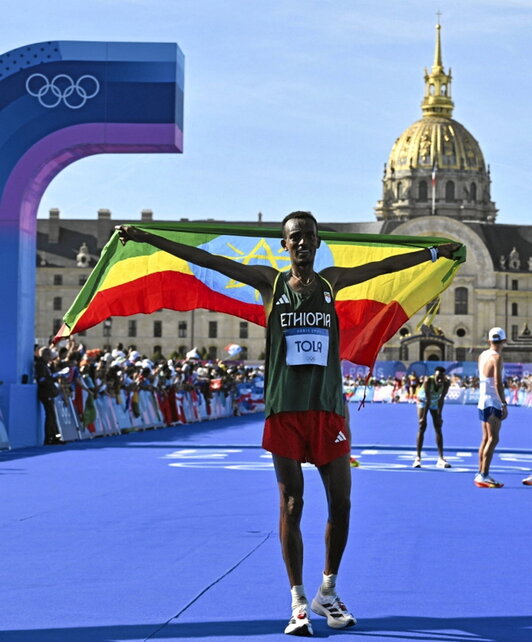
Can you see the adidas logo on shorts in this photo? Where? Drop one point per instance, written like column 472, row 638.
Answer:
column 340, row 437
column 282, row 299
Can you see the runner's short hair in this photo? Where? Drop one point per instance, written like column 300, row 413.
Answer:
column 298, row 214
column 439, row 369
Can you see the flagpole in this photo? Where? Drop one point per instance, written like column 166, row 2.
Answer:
column 434, row 189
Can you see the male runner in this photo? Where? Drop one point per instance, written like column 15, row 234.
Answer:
column 430, row 398
column 492, row 406
column 303, row 396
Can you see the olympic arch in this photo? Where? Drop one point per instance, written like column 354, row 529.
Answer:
column 59, row 102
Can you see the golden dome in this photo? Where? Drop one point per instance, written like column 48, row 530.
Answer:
column 436, row 141
column 436, row 166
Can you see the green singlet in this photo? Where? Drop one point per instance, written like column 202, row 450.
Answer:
column 302, row 356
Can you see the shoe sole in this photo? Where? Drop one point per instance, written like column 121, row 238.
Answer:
column 487, row 485
column 304, row 631
column 527, row 483
column 317, row 608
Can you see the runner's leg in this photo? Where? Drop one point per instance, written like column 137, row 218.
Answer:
column 336, row 477
column 493, row 426
column 438, row 423
column 422, row 422
column 290, row 482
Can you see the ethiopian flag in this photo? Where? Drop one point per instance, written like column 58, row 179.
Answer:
column 138, row 277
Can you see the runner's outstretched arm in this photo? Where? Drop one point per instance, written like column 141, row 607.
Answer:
column 261, row 277
column 340, row 277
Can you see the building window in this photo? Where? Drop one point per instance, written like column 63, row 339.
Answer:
column 157, row 328
column 57, row 323
column 243, row 353
column 461, row 296
column 213, row 329
column 449, row 192
column 58, row 279
column 515, row 284
column 212, row 354
column 460, row 332
column 404, row 332
column 515, row 310
column 422, row 193
column 82, row 279
column 244, row 327
column 399, row 190
column 460, row 354
column 58, row 303
column 107, row 327
column 473, row 192
column 515, row 332
column 132, row 328
column 182, row 329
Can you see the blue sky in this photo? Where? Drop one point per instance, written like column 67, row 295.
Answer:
column 295, row 104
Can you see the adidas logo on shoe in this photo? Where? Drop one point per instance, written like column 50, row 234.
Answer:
column 340, row 437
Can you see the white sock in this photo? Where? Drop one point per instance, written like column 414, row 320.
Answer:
column 328, row 585
column 298, row 596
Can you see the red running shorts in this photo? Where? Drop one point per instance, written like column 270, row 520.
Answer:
column 314, row 436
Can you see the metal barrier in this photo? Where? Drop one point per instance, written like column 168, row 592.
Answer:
column 455, row 395
column 144, row 409
column 4, row 440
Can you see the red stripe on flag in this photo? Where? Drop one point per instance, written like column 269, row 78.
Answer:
column 171, row 290
column 365, row 326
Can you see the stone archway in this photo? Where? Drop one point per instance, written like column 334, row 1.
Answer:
column 59, row 102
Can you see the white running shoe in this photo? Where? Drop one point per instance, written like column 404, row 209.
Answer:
column 527, row 481
column 485, row 481
column 299, row 623
column 442, row 463
column 332, row 607
column 492, row 483
column 417, row 463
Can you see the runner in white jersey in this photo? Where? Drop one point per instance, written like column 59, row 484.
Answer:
column 492, row 406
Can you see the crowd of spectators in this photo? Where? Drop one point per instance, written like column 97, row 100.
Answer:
column 405, row 388
column 120, row 372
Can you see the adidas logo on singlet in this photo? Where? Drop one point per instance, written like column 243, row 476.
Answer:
column 340, row 437
column 283, row 299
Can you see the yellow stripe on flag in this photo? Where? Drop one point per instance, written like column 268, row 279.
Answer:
column 411, row 288
column 139, row 266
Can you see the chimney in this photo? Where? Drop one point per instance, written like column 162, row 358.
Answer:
column 104, row 227
column 53, row 226
column 146, row 216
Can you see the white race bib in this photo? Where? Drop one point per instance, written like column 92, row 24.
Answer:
column 307, row 346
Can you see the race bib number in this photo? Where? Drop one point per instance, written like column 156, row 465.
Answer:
column 307, row 346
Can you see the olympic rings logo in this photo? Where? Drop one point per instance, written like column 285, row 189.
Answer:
column 62, row 87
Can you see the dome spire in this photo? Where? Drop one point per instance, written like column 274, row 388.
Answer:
column 438, row 65
column 437, row 99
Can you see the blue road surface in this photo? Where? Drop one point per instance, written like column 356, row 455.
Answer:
column 172, row 534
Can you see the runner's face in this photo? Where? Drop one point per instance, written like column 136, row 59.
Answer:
column 301, row 241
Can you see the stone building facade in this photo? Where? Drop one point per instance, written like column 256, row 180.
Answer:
column 68, row 249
